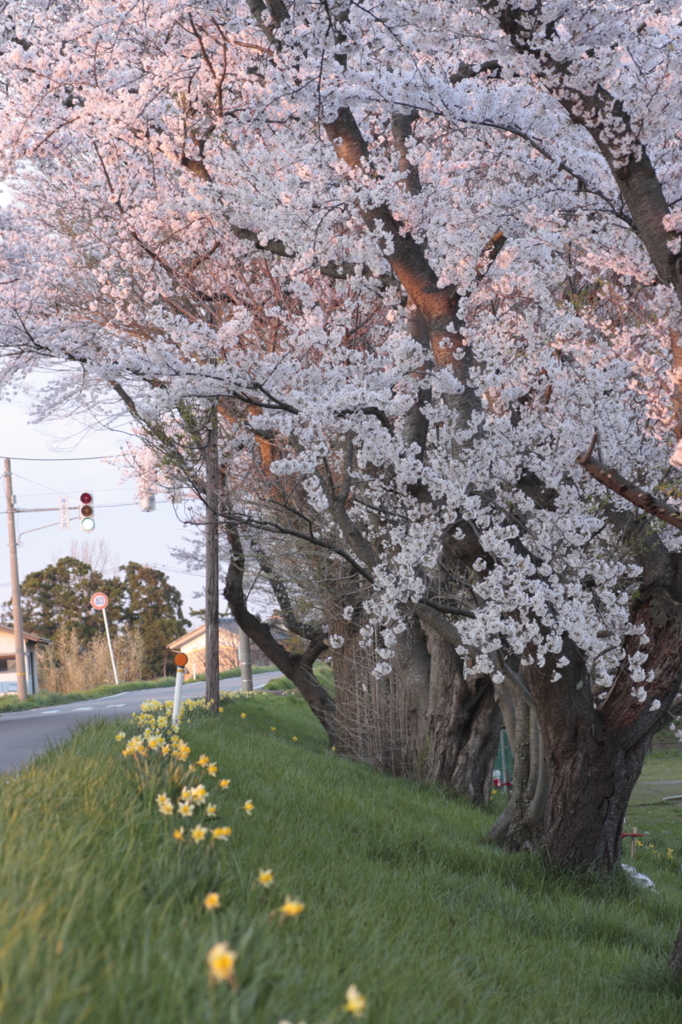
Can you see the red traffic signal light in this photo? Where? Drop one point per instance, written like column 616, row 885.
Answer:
column 86, row 512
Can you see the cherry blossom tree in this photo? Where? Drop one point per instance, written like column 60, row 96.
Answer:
column 424, row 261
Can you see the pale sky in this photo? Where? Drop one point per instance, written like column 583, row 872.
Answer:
column 127, row 533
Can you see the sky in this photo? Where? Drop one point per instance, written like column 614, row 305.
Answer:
column 122, row 531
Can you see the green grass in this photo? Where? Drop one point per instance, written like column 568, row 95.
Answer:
column 101, row 918
column 649, row 812
column 323, row 673
column 43, row 699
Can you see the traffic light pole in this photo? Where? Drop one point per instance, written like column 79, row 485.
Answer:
column 16, row 592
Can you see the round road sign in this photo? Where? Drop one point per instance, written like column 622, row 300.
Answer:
column 181, row 660
column 99, row 601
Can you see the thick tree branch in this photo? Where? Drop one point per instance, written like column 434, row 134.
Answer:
column 612, row 479
column 295, row 667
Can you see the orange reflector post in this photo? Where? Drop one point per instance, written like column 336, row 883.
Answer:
column 181, row 660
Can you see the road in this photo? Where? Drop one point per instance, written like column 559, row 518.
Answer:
column 23, row 734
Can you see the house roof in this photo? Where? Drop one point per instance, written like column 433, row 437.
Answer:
column 27, row 636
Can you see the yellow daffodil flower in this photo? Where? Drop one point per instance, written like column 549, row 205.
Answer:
column 164, row 803
column 212, row 768
column 355, row 1001
column 212, row 901
column 203, row 760
column 248, row 807
column 165, row 750
column 221, row 960
column 243, row 714
column 290, row 908
column 179, row 833
column 211, row 810
column 669, row 854
column 119, row 736
column 199, row 794
column 198, row 833
column 134, row 746
column 295, row 739
column 185, row 808
column 222, row 832
column 273, row 728
column 266, row 877
column 224, row 783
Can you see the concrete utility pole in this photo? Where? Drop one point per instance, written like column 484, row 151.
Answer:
column 212, row 569
column 16, row 592
column 245, row 661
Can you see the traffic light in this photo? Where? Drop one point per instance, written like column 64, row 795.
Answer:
column 86, row 512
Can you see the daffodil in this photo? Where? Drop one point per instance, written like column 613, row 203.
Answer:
column 248, row 807
column 266, row 877
column 211, row 810
column 224, row 783
column 119, row 737
column 222, row 832
column 221, row 960
column 198, row 833
column 295, row 739
column 212, row 901
column 273, row 728
column 243, row 714
column 291, row 908
column 199, row 794
column 203, row 760
column 134, row 746
column 164, row 803
column 179, row 833
column 185, row 808
column 212, row 768
column 355, row 1001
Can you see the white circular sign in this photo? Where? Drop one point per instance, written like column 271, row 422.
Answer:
column 99, row 601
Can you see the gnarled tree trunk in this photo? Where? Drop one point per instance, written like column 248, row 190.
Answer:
column 573, row 785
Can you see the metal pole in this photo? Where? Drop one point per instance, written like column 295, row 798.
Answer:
column 177, row 696
column 503, row 757
column 212, row 660
column 245, row 661
column 16, row 592
column 111, row 649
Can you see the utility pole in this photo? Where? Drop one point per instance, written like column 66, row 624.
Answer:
column 16, row 592
column 245, row 661
column 212, row 567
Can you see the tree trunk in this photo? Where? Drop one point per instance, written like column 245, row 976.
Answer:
column 463, row 725
column 573, row 784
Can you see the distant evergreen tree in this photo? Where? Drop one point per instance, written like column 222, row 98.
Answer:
column 154, row 605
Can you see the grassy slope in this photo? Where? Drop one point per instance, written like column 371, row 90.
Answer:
column 101, row 919
column 45, row 699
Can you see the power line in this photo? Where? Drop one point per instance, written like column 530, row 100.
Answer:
column 78, row 458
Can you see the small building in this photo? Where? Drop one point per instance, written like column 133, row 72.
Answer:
column 193, row 644
column 8, row 661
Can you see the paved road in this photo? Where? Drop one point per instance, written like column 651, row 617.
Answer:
column 23, row 734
